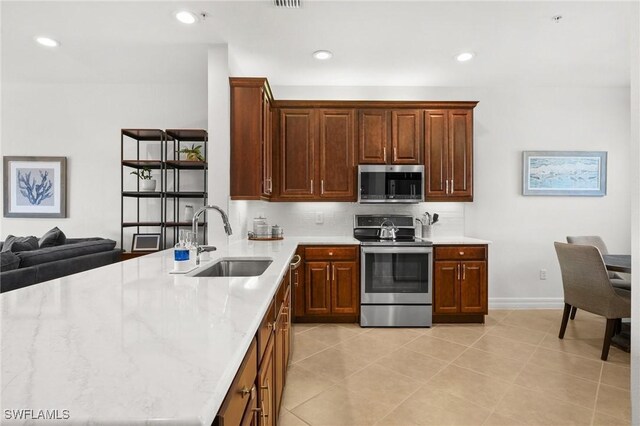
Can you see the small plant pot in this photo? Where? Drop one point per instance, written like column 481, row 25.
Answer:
column 148, row 185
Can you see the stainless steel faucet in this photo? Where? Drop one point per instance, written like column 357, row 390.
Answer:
column 194, row 229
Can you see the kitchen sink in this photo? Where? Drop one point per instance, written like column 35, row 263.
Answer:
column 234, row 267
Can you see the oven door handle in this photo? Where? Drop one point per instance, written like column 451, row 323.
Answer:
column 396, row 249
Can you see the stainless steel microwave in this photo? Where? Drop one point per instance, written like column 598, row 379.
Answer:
column 390, row 184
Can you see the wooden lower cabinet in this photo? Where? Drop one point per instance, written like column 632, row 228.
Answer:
column 242, row 392
column 460, row 284
column 330, row 290
column 255, row 395
column 266, row 387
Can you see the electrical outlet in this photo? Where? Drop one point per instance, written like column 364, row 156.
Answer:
column 543, row 274
column 319, row 218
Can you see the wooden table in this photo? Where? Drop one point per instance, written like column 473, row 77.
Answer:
column 618, row 262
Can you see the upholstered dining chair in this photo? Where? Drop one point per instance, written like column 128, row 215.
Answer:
column 594, row 240
column 587, row 286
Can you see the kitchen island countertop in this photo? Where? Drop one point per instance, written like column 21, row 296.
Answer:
column 130, row 343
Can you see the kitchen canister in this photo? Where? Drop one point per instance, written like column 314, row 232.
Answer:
column 260, row 227
column 188, row 213
column 277, row 231
column 427, row 231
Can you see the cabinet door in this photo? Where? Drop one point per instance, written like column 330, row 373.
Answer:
column 406, row 136
column 372, row 136
column 278, row 364
column 297, row 288
column 461, row 154
column 266, row 387
column 436, row 145
column 446, row 287
column 344, row 288
column 267, row 155
column 297, row 157
column 337, row 168
column 246, row 140
column 286, row 327
column 473, row 287
column 317, row 288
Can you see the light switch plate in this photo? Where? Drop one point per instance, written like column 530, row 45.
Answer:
column 319, row 218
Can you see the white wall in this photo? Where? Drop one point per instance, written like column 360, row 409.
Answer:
column 82, row 122
column 507, row 121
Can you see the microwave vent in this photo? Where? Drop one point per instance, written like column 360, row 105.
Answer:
column 290, row 4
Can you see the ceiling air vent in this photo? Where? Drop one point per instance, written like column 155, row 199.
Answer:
column 292, row 4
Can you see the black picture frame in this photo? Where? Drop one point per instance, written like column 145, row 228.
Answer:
column 146, row 242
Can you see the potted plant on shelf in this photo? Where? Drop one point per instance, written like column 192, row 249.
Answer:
column 193, row 154
column 146, row 183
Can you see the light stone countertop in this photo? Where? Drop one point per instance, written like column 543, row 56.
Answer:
column 130, row 343
column 456, row 240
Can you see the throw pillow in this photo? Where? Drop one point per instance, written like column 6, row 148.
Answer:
column 9, row 261
column 16, row 244
column 54, row 237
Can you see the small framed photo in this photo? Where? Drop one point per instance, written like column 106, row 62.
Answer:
column 145, row 242
column 35, row 187
column 567, row 173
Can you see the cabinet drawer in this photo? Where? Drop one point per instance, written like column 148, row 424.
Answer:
column 266, row 329
column 242, row 390
column 460, row 252
column 331, row 253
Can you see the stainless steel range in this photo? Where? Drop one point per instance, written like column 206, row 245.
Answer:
column 395, row 276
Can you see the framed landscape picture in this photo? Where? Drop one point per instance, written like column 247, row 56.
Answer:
column 573, row 173
column 35, row 186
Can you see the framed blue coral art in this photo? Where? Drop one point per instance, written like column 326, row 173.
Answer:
column 35, row 186
column 565, row 173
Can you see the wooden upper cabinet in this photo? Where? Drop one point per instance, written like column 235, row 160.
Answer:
column 297, row 153
column 372, row 136
column 461, row 153
column 251, row 175
column 267, row 147
column 406, row 137
column 435, row 153
column 449, row 155
column 336, row 148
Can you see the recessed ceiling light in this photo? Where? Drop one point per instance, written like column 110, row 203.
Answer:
column 47, row 41
column 186, row 17
column 322, row 55
column 465, row 56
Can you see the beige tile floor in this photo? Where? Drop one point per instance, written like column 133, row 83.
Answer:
column 512, row 370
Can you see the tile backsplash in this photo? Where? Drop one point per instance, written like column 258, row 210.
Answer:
column 299, row 218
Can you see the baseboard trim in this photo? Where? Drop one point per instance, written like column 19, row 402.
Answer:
column 526, row 303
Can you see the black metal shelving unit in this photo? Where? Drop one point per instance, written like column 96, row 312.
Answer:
column 170, row 192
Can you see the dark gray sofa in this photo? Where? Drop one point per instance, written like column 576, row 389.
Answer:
column 76, row 255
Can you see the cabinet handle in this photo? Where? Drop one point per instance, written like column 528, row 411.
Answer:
column 334, row 272
column 447, row 189
column 322, row 186
column 452, row 186
column 270, row 325
column 296, row 283
column 312, row 186
column 458, row 270
column 464, row 272
column 270, row 185
column 328, row 276
column 395, row 153
column 461, row 253
column 384, row 153
column 246, row 391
